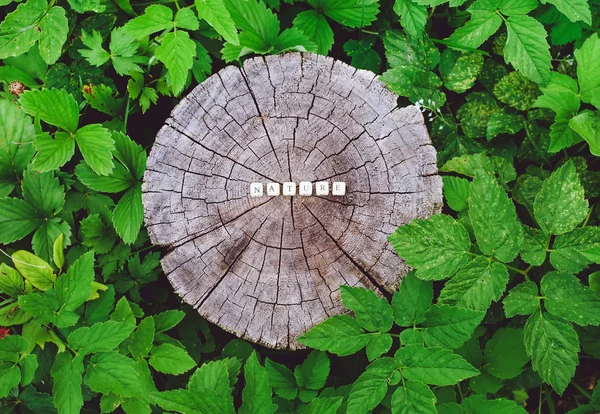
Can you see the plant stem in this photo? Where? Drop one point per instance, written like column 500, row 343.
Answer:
column 582, row 390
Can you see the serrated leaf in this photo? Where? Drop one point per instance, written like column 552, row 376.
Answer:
column 156, row 18
column 560, row 94
column 35, row 270
column 350, row 13
column 214, row 376
column 504, row 122
column 43, row 192
column 413, row 17
column 17, row 30
column 517, row 7
column 67, row 373
column 17, row 219
column 53, row 29
column 53, row 153
column 482, row 25
column 112, row 372
column 494, row 219
column 41, row 307
column 373, row 313
column 478, row 404
column 216, row 14
column 588, row 65
column 185, row 401
column 142, row 338
column 54, row 106
column 552, row 344
column 256, row 395
column 413, row 398
column 575, row 10
column 527, row 49
column 567, row 252
column 561, row 205
column 565, row 296
column 587, row 125
column 516, row 91
column 177, row 52
column 170, row 359
column 340, row 334
column 282, row 379
column 167, row 320
column 522, row 300
column 371, row 386
column 29, row 365
column 561, row 134
column 437, row 247
column 460, row 70
column 315, row 26
column 502, row 364
column 128, row 215
column 103, row 336
column 95, row 53
column 11, row 281
column 324, row 405
column 435, row 366
column 96, row 146
column 313, row 372
column 412, row 300
column 449, row 326
column 74, row 287
column 378, row 345
column 476, row 285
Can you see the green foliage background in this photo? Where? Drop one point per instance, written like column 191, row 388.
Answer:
column 502, row 310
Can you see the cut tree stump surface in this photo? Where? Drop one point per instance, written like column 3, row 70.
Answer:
column 269, row 268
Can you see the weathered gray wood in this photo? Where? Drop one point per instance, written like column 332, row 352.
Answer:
column 268, row 269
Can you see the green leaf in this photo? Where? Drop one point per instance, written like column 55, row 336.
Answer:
column 128, row 215
column 502, row 364
column 362, row 54
column 494, row 219
column 95, row 54
column 282, row 379
column 177, row 52
column 378, row 345
column 588, row 65
column 516, row 91
column 43, row 192
column 413, row 17
column 97, row 234
column 216, row 14
column 103, row 336
column 167, row 320
column 16, row 134
column 142, row 338
column 568, row 250
column 29, row 364
column 54, row 106
column 340, row 335
column 75, row 287
column 11, row 346
column 17, row 219
column 575, row 10
column 435, row 366
column 186, row 19
column 53, row 28
column 17, row 30
column 35, row 270
column 171, row 359
column 565, row 296
column 460, row 70
column 11, row 282
column 437, row 247
column 123, row 53
column 504, row 122
column 449, row 326
column 518, row 7
column 561, row 205
column 315, row 26
column 214, row 376
column 192, row 402
column 370, row 388
column 476, row 285
column 112, row 372
column 527, row 49
column 413, row 398
column 587, row 125
column 156, row 18
column 350, row 13
column 313, row 372
column 118, row 180
column 67, row 373
column 552, row 344
column 256, row 395
column 412, row 300
column 373, row 313
column 478, row 404
column 560, row 94
column 96, row 146
column 53, row 153
column 522, row 300
column 324, row 405
column 483, row 24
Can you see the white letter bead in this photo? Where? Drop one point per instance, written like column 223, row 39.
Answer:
column 273, row 189
column 305, row 188
column 289, row 189
column 338, row 188
column 256, row 190
column 322, row 188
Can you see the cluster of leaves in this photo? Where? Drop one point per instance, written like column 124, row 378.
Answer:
column 503, row 302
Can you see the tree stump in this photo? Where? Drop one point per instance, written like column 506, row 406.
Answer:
column 269, row 268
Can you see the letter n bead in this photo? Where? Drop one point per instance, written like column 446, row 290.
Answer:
column 256, row 190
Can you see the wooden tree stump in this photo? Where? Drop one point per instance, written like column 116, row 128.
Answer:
column 269, row 268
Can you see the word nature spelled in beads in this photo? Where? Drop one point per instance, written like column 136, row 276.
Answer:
column 304, row 188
